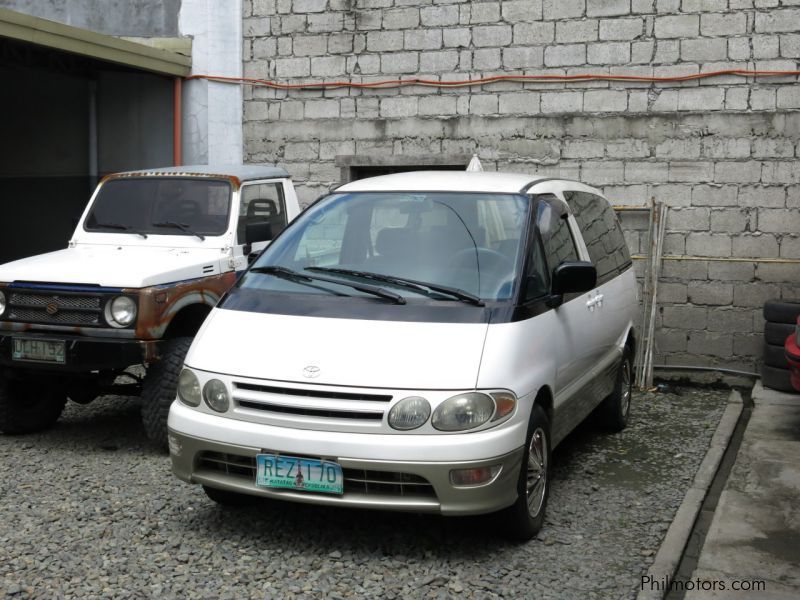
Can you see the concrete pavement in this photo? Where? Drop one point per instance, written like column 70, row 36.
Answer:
column 754, row 539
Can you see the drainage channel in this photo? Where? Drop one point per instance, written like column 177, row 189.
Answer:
column 697, row 538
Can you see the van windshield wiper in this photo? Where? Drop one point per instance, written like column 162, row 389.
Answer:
column 182, row 226
column 411, row 284
column 121, row 227
column 295, row 276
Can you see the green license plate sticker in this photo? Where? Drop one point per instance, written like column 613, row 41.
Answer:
column 49, row 351
column 302, row 474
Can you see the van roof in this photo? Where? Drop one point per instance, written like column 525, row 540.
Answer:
column 238, row 171
column 445, row 181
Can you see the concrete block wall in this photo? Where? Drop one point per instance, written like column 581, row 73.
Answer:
column 722, row 152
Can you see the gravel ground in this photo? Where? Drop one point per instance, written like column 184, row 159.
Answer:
column 88, row 509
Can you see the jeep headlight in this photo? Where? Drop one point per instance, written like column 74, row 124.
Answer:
column 189, row 388
column 409, row 413
column 2, row 303
column 216, row 395
column 121, row 311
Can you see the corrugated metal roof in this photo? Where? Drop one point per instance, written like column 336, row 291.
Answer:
column 50, row 34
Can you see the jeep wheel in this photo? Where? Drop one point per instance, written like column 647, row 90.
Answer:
column 525, row 517
column 28, row 405
column 160, row 387
column 616, row 409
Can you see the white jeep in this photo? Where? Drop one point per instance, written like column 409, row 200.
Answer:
column 152, row 254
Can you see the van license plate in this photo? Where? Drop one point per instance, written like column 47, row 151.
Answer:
column 303, row 474
column 50, row 351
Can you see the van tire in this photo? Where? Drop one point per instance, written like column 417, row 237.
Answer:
column 29, row 405
column 159, row 388
column 615, row 410
column 778, row 311
column 228, row 498
column 520, row 523
column 776, row 333
column 777, row 379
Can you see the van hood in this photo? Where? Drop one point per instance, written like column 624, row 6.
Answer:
column 115, row 266
column 347, row 352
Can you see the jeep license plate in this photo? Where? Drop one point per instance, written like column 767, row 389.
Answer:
column 302, row 474
column 49, row 351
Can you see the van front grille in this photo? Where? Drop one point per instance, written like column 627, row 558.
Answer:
column 356, row 481
column 317, row 403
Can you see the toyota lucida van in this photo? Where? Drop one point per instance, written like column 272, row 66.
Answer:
column 419, row 342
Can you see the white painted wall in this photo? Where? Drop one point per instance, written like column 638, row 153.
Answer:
column 212, row 112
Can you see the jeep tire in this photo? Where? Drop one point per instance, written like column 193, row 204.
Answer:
column 159, row 388
column 616, row 408
column 525, row 517
column 29, row 405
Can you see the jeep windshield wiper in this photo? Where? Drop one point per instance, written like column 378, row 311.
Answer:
column 411, row 284
column 121, row 227
column 295, row 276
column 182, row 226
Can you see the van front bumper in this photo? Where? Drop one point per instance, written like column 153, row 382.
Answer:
column 213, row 461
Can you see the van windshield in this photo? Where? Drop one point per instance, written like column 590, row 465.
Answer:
column 161, row 206
column 461, row 242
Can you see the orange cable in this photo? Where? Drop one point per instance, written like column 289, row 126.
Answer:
column 391, row 83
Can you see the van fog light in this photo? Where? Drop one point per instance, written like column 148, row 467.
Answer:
column 216, row 395
column 477, row 476
column 409, row 413
column 175, row 447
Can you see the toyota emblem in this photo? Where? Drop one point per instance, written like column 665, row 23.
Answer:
column 311, row 372
column 51, row 308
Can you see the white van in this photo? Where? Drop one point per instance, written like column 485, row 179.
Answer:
column 418, row 342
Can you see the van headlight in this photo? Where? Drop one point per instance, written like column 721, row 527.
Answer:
column 2, row 303
column 216, row 395
column 409, row 413
column 121, row 311
column 189, row 388
column 473, row 409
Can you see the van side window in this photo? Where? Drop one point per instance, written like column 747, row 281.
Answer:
column 556, row 236
column 601, row 232
column 262, row 202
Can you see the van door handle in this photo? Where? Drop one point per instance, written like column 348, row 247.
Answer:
column 590, row 303
column 598, row 300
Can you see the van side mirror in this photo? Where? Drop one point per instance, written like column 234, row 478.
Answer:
column 574, row 277
column 259, row 231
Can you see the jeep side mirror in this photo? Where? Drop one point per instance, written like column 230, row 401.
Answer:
column 574, row 277
column 259, row 231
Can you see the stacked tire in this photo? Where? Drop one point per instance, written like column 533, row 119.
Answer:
column 781, row 320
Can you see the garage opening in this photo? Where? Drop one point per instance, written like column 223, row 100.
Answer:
column 69, row 118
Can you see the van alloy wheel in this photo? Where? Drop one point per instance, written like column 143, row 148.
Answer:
column 537, row 472
column 626, row 388
column 615, row 410
column 523, row 519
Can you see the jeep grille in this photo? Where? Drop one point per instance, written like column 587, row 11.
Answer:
column 82, row 310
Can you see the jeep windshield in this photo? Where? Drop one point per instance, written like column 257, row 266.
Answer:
column 462, row 247
column 161, row 206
